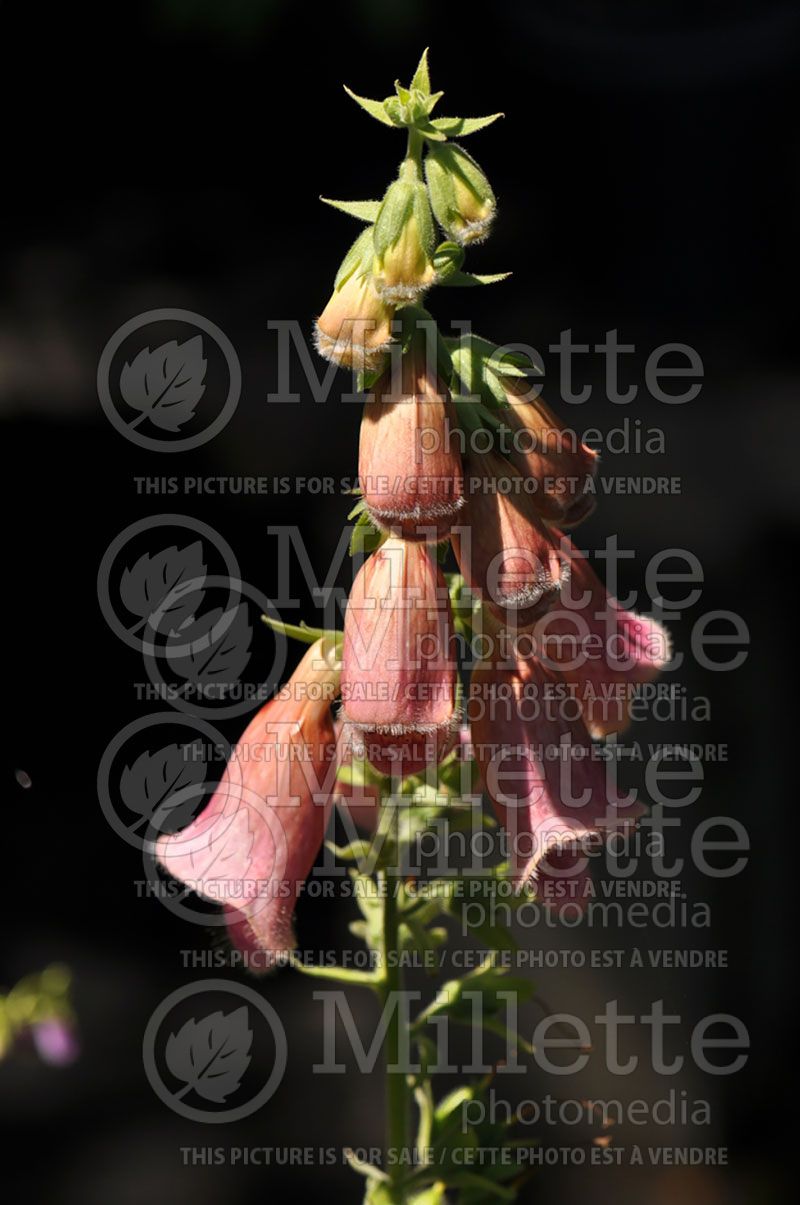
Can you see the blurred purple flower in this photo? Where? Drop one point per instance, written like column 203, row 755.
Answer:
column 56, row 1041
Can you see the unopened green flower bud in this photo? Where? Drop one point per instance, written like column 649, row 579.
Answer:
column 461, row 196
column 354, row 329
column 403, row 238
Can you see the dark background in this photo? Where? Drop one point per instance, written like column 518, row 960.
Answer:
column 171, row 154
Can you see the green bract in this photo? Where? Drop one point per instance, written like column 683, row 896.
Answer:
column 410, row 108
column 357, row 259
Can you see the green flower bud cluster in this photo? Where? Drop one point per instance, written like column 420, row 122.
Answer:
column 396, row 259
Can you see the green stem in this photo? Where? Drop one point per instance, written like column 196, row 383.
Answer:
column 397, row 1108
column 412, row 164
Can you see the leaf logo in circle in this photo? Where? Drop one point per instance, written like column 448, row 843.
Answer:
column 165, row 383
column 165, row 781
column 165, row 585
column 214, row 648
column 210, row 1056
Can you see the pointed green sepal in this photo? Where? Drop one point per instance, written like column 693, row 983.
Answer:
column 470, row 279
column 365, row 211
column 375, row 108
column 394, row 211
column 422, row 76
column 366, row 537
column 459, row 127
column 359, row 506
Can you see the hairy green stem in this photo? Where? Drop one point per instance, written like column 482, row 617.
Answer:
column 397, row 1105
column 412, row 164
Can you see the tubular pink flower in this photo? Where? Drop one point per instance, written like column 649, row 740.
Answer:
column 253, row 845
column 551, row 453
column 601, row 650
column 504, row 550
column 409, row 463
column 398, row 667
column 547, row 786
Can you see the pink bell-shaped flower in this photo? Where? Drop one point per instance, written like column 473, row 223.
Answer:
column 253, row 845
column 549, row 452
column 409, row 460
column 398, row 663
column 546, row 781
column 505, row 552
column 603, row 651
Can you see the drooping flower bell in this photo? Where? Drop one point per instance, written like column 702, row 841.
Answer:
column 354, row 330
column 403, row 237
column 398, row 663
column 253, row 845
column 461, row 196
column 409, row 459
column 548, row 787
column 603, row 651
column 505, row 552
column 550, row 453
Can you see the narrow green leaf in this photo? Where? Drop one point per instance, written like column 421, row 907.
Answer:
column 423, row 1095
column 459, row 127
column 454, row 1100
column 508, row 1035
column 468, row 279
column 363, row 1168
column 356, row 851
column 342, row 974
column 473, row 1180
column 375, row 108
column 299, row 631
column 359, row 773
column 365, row 211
